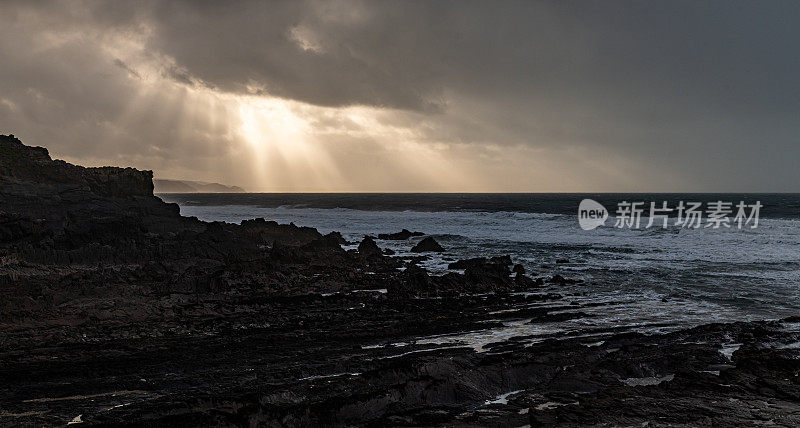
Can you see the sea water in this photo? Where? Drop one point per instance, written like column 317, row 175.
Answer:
column 651, row 279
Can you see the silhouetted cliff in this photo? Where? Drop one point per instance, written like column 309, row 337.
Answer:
column 54, row 212
column 27, row 163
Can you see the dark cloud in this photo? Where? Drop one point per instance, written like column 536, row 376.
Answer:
column 297, row 50
column 704, row 93
column 179, row 75
column 121, row 64
column 405, row 54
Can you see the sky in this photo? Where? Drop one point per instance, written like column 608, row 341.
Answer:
column 413, row 96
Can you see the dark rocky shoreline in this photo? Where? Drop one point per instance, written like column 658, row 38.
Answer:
column 118, row 311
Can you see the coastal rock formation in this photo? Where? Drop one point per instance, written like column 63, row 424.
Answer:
column 262, row 231
column 23, row 164
column 463, row 264
column 480, row 261
column 427, row 245
column 115, row 310
column 368, row 248
column 399, row 236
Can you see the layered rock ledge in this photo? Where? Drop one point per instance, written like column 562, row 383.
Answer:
column 115, row 310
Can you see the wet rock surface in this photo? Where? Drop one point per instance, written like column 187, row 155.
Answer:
column 399, row 236
column 427, row 245
column 114, row 310
column 368, row 248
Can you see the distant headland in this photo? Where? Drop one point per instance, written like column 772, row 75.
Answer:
column 187, row 186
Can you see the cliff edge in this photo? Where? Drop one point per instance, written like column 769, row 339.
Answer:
column 25, row 163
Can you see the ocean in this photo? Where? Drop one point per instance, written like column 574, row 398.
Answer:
column 654, row 279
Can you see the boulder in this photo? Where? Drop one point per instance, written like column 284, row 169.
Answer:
column 399, row 236
column 427, row 245
column 328, row 243
column 414, row 281
column 337, row 237
column 368, row 248
column 465, row 263
column 489, row 277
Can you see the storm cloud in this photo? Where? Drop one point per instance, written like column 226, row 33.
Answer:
column 413, row 96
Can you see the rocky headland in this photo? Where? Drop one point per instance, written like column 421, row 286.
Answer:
column 116, row 310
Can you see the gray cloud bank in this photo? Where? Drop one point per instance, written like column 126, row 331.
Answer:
column 685, row 96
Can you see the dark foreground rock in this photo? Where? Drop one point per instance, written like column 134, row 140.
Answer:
column 368, row 248
column 427, row 245
column 114, row 310
column 480, row 261
column 399, row 236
